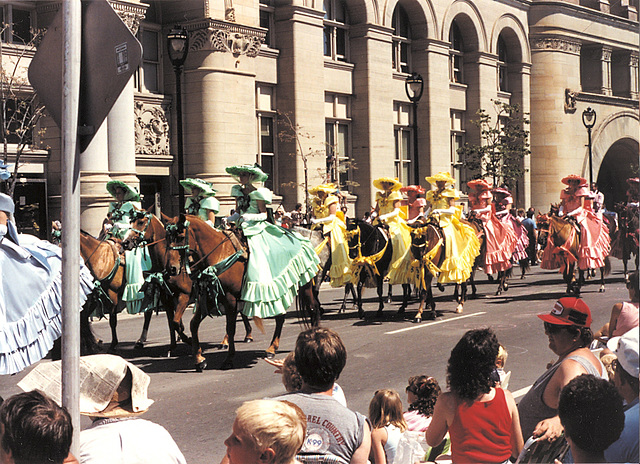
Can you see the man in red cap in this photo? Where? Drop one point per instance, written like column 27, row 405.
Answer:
column 568, row 328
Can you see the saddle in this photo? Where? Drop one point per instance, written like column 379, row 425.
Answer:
column 239, row 241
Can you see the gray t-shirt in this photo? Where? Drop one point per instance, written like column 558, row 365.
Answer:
column 332, row 429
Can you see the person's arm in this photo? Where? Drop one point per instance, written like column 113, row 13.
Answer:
column 211, row 216
column 361, row 454
column 517, row 442
column 615, row 314
column 378, row 439
column 439, row 425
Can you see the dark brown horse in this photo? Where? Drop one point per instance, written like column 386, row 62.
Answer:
column 565, row 235
column 217, row 256
column 428, row 252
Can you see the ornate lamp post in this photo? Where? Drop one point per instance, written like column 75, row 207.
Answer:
column 414, row 86
column 589, row 120
column 178, row 47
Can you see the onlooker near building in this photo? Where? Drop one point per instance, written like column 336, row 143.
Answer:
column 591, row 413
column 597, row 203
column 625, row 449
column 297, row 216
column 266, row 432
column 332, row 429
column 388, row 424
column 532, row 232
column 568, row 330
column 113, row 393
column 481, row 419
column 422, row 393
column 34, row 430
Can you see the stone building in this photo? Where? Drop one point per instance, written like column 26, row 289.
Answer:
column 336, row 70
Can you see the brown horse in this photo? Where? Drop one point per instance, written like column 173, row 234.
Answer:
column 217, row 256
column 565, row 235
column 148, row 231
column 428, row 251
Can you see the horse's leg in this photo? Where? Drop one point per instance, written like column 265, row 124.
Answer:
column 359, row 300
column 88, row 342
column 390, row 294
column 275, row 341
column 145, row 330
column 380, row 297
column 406, row 293
column 423, row 297
column 248, row 338
column 431, row 302
column 231, row 311
column 200, row 361
column 461, row 298
column 601, row 289
column 343, row 306
column 113, row 323
column 501, row 275
column 175, row 321
column 523, row 267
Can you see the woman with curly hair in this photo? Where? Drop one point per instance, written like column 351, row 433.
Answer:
column 482, row 420
column 422, row 393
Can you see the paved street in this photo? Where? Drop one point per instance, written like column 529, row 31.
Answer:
column 198, row 408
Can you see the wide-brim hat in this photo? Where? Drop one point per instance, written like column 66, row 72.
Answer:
column 326, row 188
column 109, row 385
column 625, row 348
column 501, row 191
column 479, row 185
column 203, row 185
column 574, row 177
column 442, row 176
column 413, row 188
column 6, row 204
column 253, row 170
column 131, row 193
column 396, row 185
column 569, row 311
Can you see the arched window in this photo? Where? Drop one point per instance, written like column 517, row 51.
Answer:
column 456, row 57
column 401, row 58
column 503, row 76
column 336, row 30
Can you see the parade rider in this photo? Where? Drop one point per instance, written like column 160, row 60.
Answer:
column 502, row 201
column 387, row 212
column 202, row 202
column 325, row 208
column 121, row 212
column 280, row 261
column 415, row 203
column 461, row 243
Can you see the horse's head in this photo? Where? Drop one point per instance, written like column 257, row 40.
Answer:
column 139, row 231
column 559, row 230
column 353, row 237
column 177, row 233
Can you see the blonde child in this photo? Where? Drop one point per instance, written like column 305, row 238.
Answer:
column 388, row 425
column 501, row 361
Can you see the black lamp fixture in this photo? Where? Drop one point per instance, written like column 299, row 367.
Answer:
column 178, row 48
column 413, row 86
column 589, row 120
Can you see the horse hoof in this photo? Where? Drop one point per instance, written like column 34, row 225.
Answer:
column 601, row 290
column 270, row 355
column 505, row 286
column 499, row 292
column 522, row 277
column 139, row 345
column 361, row 314
column 459, row 309
column 417, row 320
column 201, row 366
column 223, row 346
column 248, row 339
column 440, row 287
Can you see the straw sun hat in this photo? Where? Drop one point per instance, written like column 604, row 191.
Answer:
column 327, row 188
column 109, row 385
column 441, row 177
column 395, row 183
column 573, row 177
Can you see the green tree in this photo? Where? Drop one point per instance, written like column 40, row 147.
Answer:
column 504, row 144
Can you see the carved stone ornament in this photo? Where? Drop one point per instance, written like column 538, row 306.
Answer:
column 570, row 101
column 152, row 129
column 130, row 14
column 553, row 43
column 227, row 37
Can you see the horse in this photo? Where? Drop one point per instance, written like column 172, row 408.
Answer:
column 219, row 262
column 625, row 242
column 371, row 250
column 564, row 234
column 102, row 257
column 428, row 252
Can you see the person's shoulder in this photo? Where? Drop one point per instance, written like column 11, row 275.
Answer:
column 263, row 194
column 236, row 190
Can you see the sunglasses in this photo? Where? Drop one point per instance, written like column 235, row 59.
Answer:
column 553, row 328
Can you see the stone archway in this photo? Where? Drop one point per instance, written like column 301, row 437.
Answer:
column 618, row 164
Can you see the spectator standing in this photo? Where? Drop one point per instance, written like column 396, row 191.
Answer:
column 625, row 379
column 624, row 315
column 266, row 432
column 568, row 330
column 532, row 232
column 387, row 421
column 320, row 357
column 297, row 216
column 597, row 203
column 481, row 419
column 422, row 393
column 590, row 410
column 34, row 430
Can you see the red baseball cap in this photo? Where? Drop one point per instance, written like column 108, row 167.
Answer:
column 569, row 311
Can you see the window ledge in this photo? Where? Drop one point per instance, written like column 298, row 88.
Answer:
column 331, row 64
column 457, row 85
column 268, row 52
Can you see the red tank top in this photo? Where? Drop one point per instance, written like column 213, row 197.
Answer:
column 481, row 432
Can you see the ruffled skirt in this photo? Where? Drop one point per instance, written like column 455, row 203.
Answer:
column 401, row 243
column 500, row 243
column 461, row 249
column 339, row 273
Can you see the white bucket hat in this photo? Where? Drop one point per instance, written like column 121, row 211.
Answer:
column 625, row 348
column 109, row 385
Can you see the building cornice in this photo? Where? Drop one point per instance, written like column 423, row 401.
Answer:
column 583, row 12
column 225, row 36
column 551, row 42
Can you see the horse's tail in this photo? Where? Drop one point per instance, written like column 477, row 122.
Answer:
column 524, row 264
column 606, row 270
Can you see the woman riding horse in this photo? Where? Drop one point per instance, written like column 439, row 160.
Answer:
column 502, row 201
column 202, row 202
column 280, row 261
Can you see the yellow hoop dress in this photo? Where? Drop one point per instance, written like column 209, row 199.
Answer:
column 400, row 236
column 339, row 273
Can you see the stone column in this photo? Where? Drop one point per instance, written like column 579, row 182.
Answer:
column 520, row 81
column 122, row 138
column 480, row 74
column 94, row 175
column 605, row 60
column 633, row 71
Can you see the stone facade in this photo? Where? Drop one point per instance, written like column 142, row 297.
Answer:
column 337, row 70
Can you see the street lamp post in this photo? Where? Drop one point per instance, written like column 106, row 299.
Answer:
column 178, row 47
column 589, row 120
column 414, row 86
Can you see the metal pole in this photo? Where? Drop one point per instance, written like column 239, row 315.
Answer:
column 590, row 161
column 416, row 165
column 72, row 39
column 178, row 70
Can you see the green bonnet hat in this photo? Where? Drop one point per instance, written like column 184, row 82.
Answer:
column 131, row 193
column 254, row 170
column 203, row 185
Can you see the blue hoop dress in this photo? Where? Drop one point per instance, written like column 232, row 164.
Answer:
column 280, row 261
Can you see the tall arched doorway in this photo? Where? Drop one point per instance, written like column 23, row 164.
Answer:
column 619, row 164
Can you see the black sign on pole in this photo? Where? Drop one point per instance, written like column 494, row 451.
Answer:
column 110, row 56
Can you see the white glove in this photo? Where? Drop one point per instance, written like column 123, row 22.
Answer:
column 329, row 218
column 373, row 215
column 254, row 217
column 234, row 217
column 392, row 214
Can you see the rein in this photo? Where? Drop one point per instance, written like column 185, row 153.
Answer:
column 425, row 261
column 366, row 263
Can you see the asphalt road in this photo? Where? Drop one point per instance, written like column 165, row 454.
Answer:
column 198, row 408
